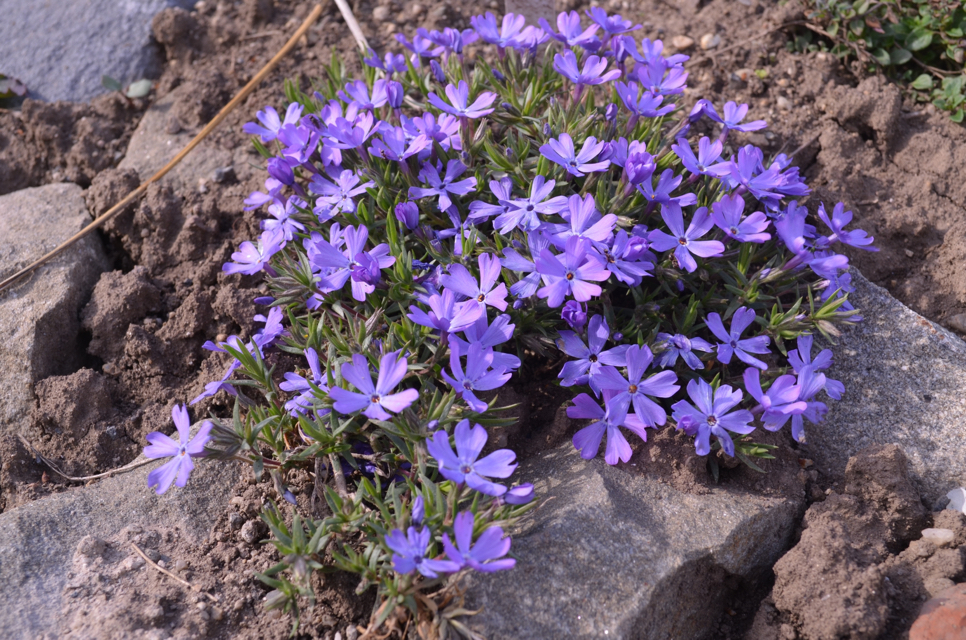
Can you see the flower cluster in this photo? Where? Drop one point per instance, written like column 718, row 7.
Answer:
column 433, row 229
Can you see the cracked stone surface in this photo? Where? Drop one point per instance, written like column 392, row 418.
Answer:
column 610, row 554
column 39, row 315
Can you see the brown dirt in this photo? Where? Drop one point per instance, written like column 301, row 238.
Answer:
column 858, row 139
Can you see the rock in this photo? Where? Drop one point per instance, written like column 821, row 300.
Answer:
column 380, row 14
column 61, row 52
column 682, row 43
column 222, row 175
column 783, row 103
column 609, row 553
column 903, row 379
column 38, row 540
column 38, row 315
column 152, row 146
column 957, row 500
column 533, row 10
column 939, row 537
column 958, row 323
column 710, row 41
column 943, row 617
column 253, row 531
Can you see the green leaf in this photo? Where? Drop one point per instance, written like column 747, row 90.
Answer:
column 957, row 117
column 923, row 82
column 139, row 89
column 111, row 84
column 900, row 56
column 882, row 56
column 919, row 39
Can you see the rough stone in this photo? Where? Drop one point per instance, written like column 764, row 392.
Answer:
column 611, row 554
column 152, row 146
column 38, row 540
column 904, row 378
column 60, row 50
column 39, row 314
column 534, row 10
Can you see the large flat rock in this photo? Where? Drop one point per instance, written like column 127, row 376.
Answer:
column 39, row 315
column 610, row 554
column 38, row 540
column 61, row 48
column 905, row 384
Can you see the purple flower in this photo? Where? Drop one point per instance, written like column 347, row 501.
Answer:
column 635, row 389
column 623, row 258
column 463, row 466
column 213, row 387
column 570, row 33
column 395, row 93
column 357, row 92
column 338, row 266
column 592, row 72
column 282, row 221
column 489, row 336
column 521, row 494
column 840, row 217
column 395, row 145
column 444, row 186
column 731, row 343
column 450, row 40
column 612, row 25
column 375, row 399
column 337, row 197
column 746, row 172
column 660, row 78
column 523, row 213
column 458, row 97
column 726, row 214
column 179, row 467
column 501, row 36
column 272, row 124
column 344, row 134
column 479, row 375
column 709, row 415
column 590, row 360
column 779, row 403
column 684, row 242
column 421, row 47
column 733, row 115
column 660, row 194
column 408, row 214
column 810, row 382
column 252, row 258
column 679, row 345
column 272, row 330
column 486, row 555
column 391, row 62
column 486, row 292
column 706, row 163
column 572, row 275
column 607, row 420
column 574, row 314
column 444, row 130
column 528, row 285
column 647, row 105
column 294, row 383
column 562, row 152
column 442, row 310
column 801, row 358
column 419, row 510
column 503, row 190
column 410, row 553
column 585, row 222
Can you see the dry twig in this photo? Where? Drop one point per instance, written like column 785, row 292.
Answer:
column 180, row 581
column 128, row 467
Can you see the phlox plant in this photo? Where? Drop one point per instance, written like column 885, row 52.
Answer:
column 437, row 226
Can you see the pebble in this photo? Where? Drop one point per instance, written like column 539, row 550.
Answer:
column 253, row 531
column 783, row 103
column 153, row 613
column 202, row 186
column 909, row 253
column 235, row 521
column 180, row 565
column 224, row 174
column 238, row 606
column 743, row 74
column 682, row 43
column 90, row 546
column 958, row 323
column 351, row 633
column 710, row 41
column 380, row 14
column 957, row 498
column 173, row 126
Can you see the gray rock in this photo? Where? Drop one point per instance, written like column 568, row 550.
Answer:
column 153, row 145
column 904, row 379
column 61, row 49
column 533, row 10
column 38, row 539
column 39, row 315
column 611, row 554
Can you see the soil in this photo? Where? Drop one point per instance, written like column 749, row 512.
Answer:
column 857, row 138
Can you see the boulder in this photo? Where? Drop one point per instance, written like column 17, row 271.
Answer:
column 62, row 50
column 613, row 554
column 38, row 539
column 39, row 314
column 904, row 378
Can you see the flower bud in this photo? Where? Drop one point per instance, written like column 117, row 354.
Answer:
column 547, row 131
column 281, row 171
column 519, row 495
column 499, row 75
column 419, row 510
column 574, row 315
column 395, row 93
column 408, row 214
column 610, row 113
column 618, row 336
column 437, row 72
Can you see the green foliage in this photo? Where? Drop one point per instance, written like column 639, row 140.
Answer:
column 921, row 43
